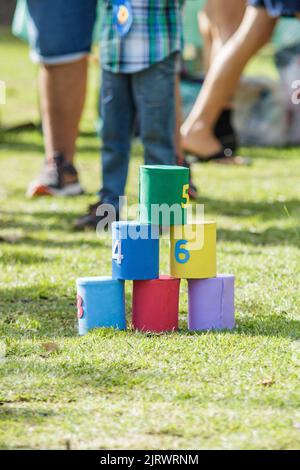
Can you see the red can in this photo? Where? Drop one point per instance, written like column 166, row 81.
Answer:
column 155, row 304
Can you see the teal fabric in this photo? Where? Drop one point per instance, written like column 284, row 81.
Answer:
column 287, row 33
column 190, row 22
column 19, row 25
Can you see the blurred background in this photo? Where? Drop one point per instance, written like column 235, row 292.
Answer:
column 264, row 114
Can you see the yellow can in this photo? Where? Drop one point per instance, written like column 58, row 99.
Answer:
column 193, row 251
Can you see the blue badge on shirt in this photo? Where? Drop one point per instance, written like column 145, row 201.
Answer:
column 122, row 16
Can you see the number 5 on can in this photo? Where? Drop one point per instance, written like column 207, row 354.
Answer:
column 185, row 196
column 182, row 255
column 117, row 252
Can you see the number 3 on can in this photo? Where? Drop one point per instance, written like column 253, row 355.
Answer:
column 182, row 255
column 185, row 196
column 80, row 311
column 117, row 252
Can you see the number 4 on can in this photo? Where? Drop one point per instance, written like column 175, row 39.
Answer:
column 117, row 252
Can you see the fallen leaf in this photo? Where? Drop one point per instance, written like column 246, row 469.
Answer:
column 10, row 238
column 50, row 347
column 267, row 382
column 68, row 444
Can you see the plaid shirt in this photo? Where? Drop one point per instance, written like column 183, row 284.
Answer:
column 156, row 33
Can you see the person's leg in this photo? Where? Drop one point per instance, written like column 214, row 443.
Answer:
column 179, row 119
column 62, row 94
column 225, row 18
column 180, row 156
column 154, row 94
column 217, row 23
column 117, row 110
column 60, row 38
column 206, row 31
column 222, row 79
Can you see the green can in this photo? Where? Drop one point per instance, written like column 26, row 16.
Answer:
column 163, row 194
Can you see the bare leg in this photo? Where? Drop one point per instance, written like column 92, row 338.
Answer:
column 179, row 152
column 178, row 104
column 62, row 91
column 217, row 23
column 205, row 28
column 226, row 18
column 222, row 79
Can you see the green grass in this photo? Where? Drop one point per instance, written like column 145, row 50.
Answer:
column 109, row 389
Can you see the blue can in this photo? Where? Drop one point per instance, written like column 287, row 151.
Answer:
column 100, row 304
column 135, row 251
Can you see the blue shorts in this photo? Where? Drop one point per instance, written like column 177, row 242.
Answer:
column 278, row 8
column 60, row 31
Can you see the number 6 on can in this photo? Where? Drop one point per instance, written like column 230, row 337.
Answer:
column 182, row 255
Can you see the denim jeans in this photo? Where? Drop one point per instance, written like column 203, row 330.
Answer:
column 150, row 94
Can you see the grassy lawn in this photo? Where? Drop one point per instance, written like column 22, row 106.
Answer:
column 237, row 389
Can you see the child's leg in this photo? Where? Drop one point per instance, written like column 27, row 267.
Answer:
column 154, row 94
column 117, row 111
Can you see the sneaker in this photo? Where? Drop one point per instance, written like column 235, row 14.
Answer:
column 57, row 179
column 91, row 219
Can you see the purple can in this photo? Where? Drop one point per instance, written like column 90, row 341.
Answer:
column 211, row 303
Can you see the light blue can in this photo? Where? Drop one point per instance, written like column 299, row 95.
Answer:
column 100, row 304
column 135, row 251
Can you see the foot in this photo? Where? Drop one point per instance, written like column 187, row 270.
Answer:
column 91, row 219
column 201, row 143
column 57, row 179
column 198, row 140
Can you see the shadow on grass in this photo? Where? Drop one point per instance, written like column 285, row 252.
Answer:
column 19, row 413
column 265, row 325
column 25, row 258
column 52, row 221
column 38, row 220
column 20, row 141
column 63, row 221
column 264, row 210
column 53, row 313
column 21, row 147
column 270, row 325
column 270, row 236
column 68, row 244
